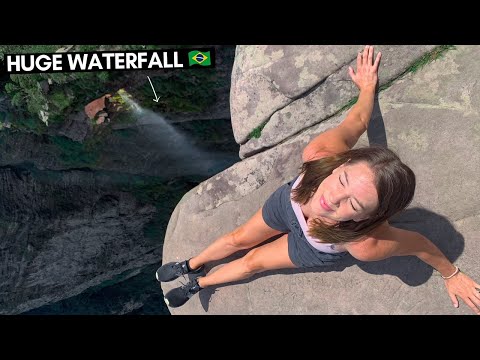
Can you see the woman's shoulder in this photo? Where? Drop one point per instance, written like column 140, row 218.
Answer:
column 368, row 242
column 321, row 154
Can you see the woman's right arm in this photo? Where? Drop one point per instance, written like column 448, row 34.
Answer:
column 346, row 135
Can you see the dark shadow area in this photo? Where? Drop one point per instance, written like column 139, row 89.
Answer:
column 127, row 295
column 376, row 128
column 411, row 270
column 435, row 227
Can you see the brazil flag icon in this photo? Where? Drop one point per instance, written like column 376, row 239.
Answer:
column 199, row 58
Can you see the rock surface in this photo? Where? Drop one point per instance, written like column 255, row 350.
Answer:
column 64, row 232
column 431, row 119
column 292, row 87
column 76, row 127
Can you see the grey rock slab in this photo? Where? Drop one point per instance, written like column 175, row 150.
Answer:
column 265, row 78
column 329, row 97
column 431, row 120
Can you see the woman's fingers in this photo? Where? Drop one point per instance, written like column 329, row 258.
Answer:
column 377, row 61
column 475, row 300
column 370, row 55
column 472, row 306
column 351, row 73
column 365, row 55
column 476, row 294
column 454, row 299
column 365, row 58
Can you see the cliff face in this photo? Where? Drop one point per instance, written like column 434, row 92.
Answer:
column 429, row 116
column 84, row 208
column 148, row 148
column 63, row 232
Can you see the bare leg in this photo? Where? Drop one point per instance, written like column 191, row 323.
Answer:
column 248, row 235
column 270, row 256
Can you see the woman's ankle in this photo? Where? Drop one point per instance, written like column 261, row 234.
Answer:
column 199, row 282
column 193, row 266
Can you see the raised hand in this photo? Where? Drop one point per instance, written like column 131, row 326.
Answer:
column 366, row 76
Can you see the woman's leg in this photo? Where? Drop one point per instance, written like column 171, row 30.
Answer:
column 250, row 234
column 270, row 256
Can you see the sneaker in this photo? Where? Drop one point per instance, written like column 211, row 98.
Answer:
column 173, row 270
column 179, row 296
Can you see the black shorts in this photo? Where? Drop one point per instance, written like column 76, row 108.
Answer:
column 277, row 212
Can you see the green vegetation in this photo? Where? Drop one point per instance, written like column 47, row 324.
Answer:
column 123, row 112
column 67, row 93
column 60, row 94
column 349, row 104
column 427, row 58
column 26, row 123
column 27, row 49
column 26, row 93
column 75, row 154
column 57, row 94
column 418, row 64
column 433, row 55
column 255, row 133
column 60, row 100
column 180, row 91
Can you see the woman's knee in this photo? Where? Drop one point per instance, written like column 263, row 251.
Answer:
column 252, row 262
column 238, row 239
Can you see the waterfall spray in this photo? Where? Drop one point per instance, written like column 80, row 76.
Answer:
column 179, row 154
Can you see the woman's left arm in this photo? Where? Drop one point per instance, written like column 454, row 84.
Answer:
column 389, row 241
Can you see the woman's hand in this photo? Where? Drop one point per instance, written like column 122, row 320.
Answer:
column 463, row 286
column 366, row 77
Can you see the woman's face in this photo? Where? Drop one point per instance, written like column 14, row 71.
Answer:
column 348, row 193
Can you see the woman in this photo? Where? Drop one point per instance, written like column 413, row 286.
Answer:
column 340, row 204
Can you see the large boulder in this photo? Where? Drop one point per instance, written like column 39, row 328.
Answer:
column 290, row 87
column 265, row 78
column 431, row 119
column 76, row 127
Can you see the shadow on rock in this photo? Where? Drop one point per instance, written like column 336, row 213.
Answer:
column 376, row 128
column 206, row 294
column 435, row 227
column 411, row 270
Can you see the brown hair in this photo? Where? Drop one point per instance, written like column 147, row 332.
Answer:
column 394, row 181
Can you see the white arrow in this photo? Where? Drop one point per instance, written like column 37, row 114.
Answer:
column 156, row 97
